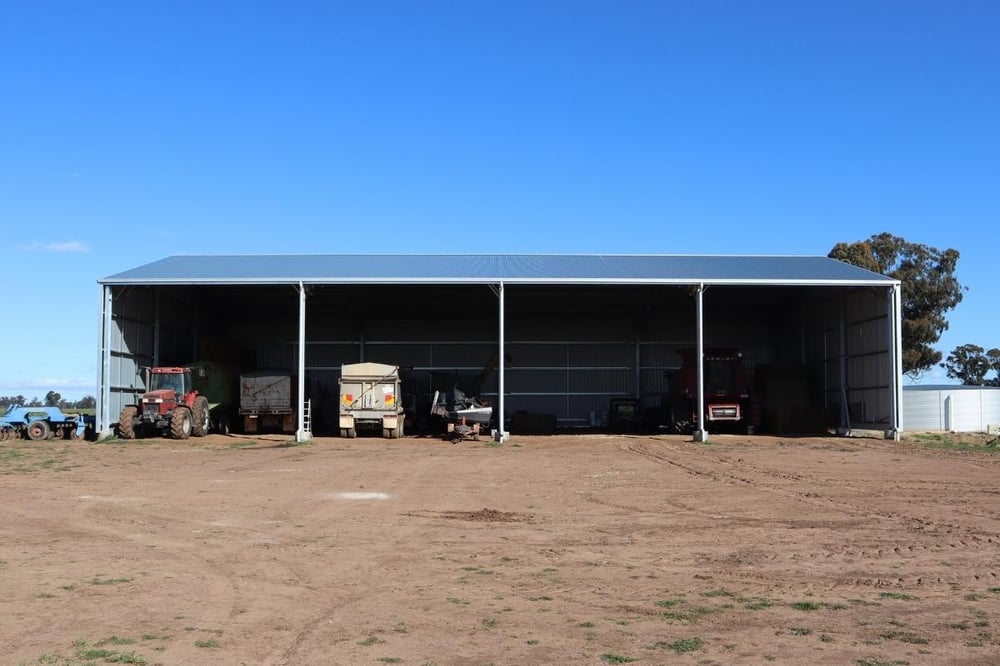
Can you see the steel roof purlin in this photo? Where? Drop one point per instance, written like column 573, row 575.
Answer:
column 594, row 269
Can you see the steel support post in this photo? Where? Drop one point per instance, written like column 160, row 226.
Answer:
column 104, row 392
column 897, row 304
column 701, row 433
column 156, row 327
column 501, row 435
column 845, row 412
column 302, row 435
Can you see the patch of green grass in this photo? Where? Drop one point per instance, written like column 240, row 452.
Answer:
column 488, row 623
column 86, row 653
column 586, row 625
column 902, row 596
column 972, row 596
column 801, row 631
column 541, row 598
column 94, row 653
column 45, row 595
column 718, row 593
column 670, row 603
column 207, row 643
column 755, row 603
column 815, row 605
column 615, row 658
column 993, row 590
column 688, row 615
column 532, row 642
column 954, row 442
column 681, row 645
column 905, row 637
column 390, row 660
column 962, row 626
column 826, row 638
column 370, row 640
column 456, row 600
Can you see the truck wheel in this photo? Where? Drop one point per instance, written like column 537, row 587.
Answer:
column 39, row 430
column 199, row 417
column 126, row 422
column 400, row 433
column 180, row 423
column 352, row 433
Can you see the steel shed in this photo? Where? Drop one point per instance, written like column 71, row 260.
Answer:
column 954, row 408
column 560, row 334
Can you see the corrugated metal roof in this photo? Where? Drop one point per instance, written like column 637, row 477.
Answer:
column 514, row 268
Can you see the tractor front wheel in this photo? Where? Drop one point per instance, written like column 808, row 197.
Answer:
column 199, row 417
column 180, row 423
column 126, row 422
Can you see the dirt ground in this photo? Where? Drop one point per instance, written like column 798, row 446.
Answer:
column 585, row 549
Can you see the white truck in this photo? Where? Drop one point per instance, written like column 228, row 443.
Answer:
column 370, row 398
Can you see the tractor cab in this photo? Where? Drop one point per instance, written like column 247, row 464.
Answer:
column 167, row 388
column 177, row 380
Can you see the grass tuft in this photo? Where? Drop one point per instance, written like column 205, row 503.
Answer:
column 615, row 658
column 680, row 646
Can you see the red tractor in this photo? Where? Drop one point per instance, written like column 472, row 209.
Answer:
column 728, row 403
column 171, row 405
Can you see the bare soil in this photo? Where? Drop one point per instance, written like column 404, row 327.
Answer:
column 584, row 549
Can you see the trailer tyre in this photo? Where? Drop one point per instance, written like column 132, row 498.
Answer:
column 199, row 417
column 126, row 422
column 180, row 423
column 39, row 430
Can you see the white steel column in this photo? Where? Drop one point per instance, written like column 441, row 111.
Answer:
column 845, row 412
column 302, row 435
column 897, row 303
column 104, row 394
column 501, row 435
column 156, row 327
column 701, row 433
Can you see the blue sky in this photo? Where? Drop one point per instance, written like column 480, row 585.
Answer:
column 131, row 132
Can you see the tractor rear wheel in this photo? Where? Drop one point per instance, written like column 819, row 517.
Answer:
column 180, row 423
column 199, row 417
column 126, row 422
column 39, row 430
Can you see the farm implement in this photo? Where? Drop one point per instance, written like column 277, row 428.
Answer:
column 38, row 423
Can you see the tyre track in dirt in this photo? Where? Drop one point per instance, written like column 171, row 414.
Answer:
column 717, row 470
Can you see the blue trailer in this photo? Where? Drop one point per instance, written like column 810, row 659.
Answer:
column 38, row 423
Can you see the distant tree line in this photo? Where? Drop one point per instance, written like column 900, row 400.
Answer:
column 52, row 399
